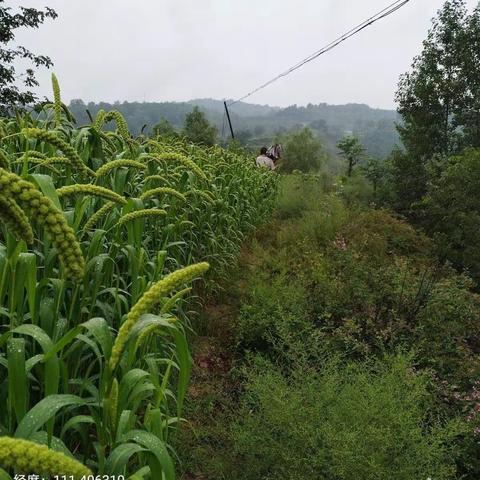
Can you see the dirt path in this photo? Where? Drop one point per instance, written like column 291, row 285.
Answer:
column 212, row 394
column 205, row 446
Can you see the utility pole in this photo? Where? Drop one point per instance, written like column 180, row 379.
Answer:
column 229, row 121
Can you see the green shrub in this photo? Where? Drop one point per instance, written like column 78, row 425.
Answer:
column 350, row 422
column 298, row 193
column 357, row 191
column 446, row 333
column 358, row 285
column 378, row 288
column 378, row 233
column 275, row 319
column 302, row 151
column 314, row 213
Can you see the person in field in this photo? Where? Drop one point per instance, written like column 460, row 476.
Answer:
column 275, row 153
column 263, row 160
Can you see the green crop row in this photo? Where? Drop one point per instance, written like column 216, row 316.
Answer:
column 100, row 235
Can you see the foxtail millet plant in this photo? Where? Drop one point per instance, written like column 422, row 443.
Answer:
column 55, row 160
column 89, row 189
column 15, row 219
column 25, row 456
column 122, row 268
column 41, row 210
column 170, row 303
column 95, row 218
column 31, row 156
column 122, row 125
column 123, row 162
column 52, row 138
column 156, row 177
column 149, row 299
column 182, row 159
column 202, row 194
column 4, row 161
column 144, row 213
column 150, row 329
column 99, row 120
column 57, row 101
column 163, row 191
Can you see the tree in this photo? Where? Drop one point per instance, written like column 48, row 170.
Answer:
column 469, row 116
column 451, row 211
column 374, row 172
column 409, row 180
column 10, row 94
column 431, row 92
column 197, row 129
column 439, row 99
column 302, row 151
column 352, row 150
column 164, row 128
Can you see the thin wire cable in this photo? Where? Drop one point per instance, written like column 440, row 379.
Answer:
column 365, row 23
column 385, row 12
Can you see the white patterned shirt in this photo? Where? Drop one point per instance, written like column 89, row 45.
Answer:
column 264, row 161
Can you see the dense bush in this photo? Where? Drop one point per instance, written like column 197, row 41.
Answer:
column 357, row 283
column 348, row 422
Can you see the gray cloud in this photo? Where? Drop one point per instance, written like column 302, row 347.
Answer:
column 161, row 50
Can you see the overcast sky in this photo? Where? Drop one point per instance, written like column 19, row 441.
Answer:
column 163, row 50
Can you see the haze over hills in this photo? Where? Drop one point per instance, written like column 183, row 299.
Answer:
column 257, row 124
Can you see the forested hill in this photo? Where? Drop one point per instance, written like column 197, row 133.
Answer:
column 256, row 124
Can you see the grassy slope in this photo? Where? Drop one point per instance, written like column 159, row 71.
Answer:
column 329, row 277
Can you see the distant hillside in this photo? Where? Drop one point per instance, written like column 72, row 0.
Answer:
column 258, row 124
column 241, row 108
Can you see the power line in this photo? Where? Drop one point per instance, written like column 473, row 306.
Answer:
column 353, row 31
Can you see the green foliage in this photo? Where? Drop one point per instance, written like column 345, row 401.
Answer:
column 434, row 180
column 10, row 94
column 380, row 289
column 408, row 181
column 302, row 151
column 197, row 129
column 446, row 322
column 438, row 99
column 351, row 148
column 356, row 191
column 164, row 129
column 451, row 213
column 352, row 422
column 243, row 136
column 300, row 192
column 332, row 292
column 273, row 320
column 356, row 282
column 94, row 358
column 375, row 171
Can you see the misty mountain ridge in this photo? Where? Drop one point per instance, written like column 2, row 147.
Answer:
column 241, row 108
column 248, row 109
column 256, row 124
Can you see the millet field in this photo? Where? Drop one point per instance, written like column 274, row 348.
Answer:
column 106, row 242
